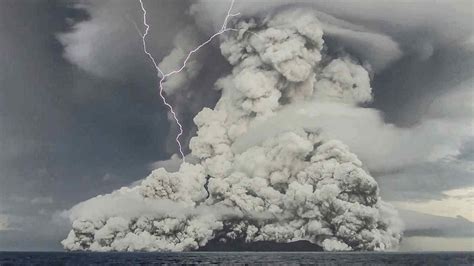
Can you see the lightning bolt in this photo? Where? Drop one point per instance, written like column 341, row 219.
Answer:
column 162, row 76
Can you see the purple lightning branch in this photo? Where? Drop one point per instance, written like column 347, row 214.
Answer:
column 162, row 76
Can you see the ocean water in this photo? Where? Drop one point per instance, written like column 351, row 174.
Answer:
column 236, row 258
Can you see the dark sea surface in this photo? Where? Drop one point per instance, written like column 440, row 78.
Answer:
column 236, row 258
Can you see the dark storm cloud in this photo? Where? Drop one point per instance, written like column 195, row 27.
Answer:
column 112, row 39
column 406, row 89
column 64, row 135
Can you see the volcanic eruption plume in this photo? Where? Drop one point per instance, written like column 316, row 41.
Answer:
column 295, row 183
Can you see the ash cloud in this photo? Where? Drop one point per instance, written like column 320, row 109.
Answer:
column 63, row 128
column 297, row 184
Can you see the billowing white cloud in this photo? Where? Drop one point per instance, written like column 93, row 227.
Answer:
column 383, row 147
column 293, row 185
column 269, row 159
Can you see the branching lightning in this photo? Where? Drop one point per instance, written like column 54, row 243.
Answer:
column 162, row 76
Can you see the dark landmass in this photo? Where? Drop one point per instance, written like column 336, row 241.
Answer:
column 241, row 245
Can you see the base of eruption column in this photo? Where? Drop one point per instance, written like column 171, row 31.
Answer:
column 241, row 245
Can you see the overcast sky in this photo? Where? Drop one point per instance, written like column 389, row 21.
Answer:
column 80, row 115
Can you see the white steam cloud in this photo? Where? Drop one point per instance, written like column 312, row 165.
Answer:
column 294, row 183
